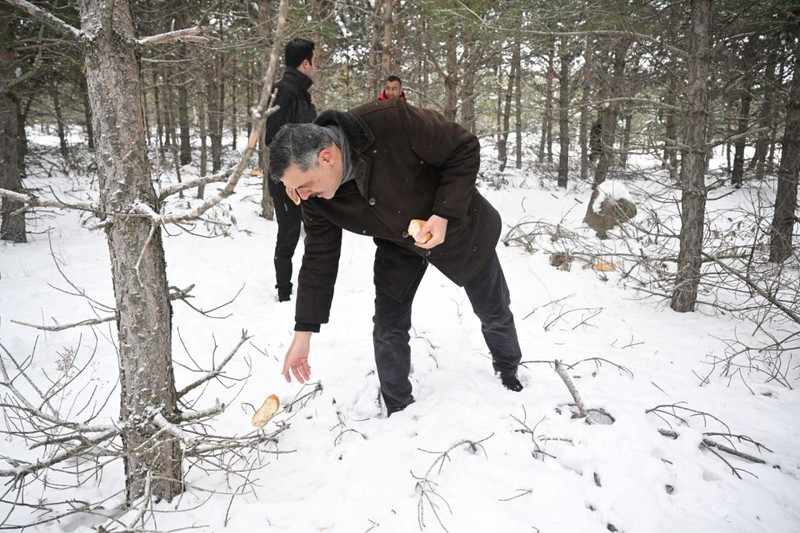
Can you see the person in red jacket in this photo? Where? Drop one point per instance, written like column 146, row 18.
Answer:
column 392, row 88
column 371, row 171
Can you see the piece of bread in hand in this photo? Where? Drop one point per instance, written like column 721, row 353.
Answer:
column 413, row 229
column 266, row 411
column 293, row 196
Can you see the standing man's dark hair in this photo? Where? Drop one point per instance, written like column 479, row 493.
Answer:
column 297, row 50
column 294, row 106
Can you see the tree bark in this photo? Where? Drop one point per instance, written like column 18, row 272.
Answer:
column 784, row 218
column 144, row 318
column 766, row 119
column 52, row 88
column 693, row 197
column 563, row 113
column 518, row 103
column 737, row 176
column 87, row 113
column 12, row 226
column 609, row 113
column 184, row 124
column 545, row 145
column 502, row 141
column 586, row 89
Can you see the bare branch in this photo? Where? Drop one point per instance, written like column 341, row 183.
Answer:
column 178, row 187
column 62, row 327
column 34, row 201
column 48, row 18
column 218, row 369
column 186, row 35
column 562, row 373
column 761, row 292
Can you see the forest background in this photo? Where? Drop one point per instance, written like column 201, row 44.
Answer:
column 155, row 86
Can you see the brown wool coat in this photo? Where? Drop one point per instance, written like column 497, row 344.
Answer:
column 409, row 163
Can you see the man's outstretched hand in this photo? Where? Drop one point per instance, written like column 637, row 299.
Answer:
column 296, row 361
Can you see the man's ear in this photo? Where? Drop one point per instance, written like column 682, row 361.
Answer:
column 326, row 156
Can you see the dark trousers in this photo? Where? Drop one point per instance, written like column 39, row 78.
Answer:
column 490, row 299
column 289, row 222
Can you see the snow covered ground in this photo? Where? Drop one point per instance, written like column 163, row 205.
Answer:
column 468, row 456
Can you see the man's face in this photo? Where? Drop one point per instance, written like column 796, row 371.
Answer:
column 392, row 89
column 320, row 182
column 309, row 68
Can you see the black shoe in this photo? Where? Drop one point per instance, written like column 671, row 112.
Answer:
column 284, row 296
column 511, row 382
column 392, row 410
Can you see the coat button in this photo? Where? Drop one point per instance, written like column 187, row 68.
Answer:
column 405, row 234
column 428, row 253
column 372, row 201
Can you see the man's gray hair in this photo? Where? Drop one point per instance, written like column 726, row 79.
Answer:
column 298, row 144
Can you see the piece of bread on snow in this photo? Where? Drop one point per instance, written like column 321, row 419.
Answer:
column 413, row 229
column 266, row 411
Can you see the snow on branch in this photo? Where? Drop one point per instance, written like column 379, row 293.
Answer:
column 34, row 201
column 185, row 35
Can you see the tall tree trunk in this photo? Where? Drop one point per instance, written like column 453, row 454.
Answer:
column 265, row 33
column 762, row 142
column 52, row 88
column 12, row 225
column 737, row 176
column 388, row 36
column 185, row 125
column 451, row 79
column 626, row 140
column 586, row 89
column 518, row 103
column 214, row 87
column 502, row 143
column 693, row 191
column 373, row 79
column 547, row 117
column 202, row 116
column 609, row 113
column 784, row 218
column 169, row 109
column 87, row 114
column 159, row 114
column 670, row 160
column 563, row 113
column 144, row 318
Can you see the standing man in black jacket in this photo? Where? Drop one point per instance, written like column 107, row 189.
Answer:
column 294, row 106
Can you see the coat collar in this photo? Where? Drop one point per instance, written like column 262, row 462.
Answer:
column 359, row 137
column 297, row 78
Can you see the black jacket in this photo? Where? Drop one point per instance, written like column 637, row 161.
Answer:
column 293, row 100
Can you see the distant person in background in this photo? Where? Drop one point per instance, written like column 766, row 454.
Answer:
column 294, row 106
column 392, row 88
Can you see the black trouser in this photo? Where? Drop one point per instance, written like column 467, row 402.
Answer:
column 490, row 299
column 289, row 222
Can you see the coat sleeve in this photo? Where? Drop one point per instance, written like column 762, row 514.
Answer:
column 286, row 101
column 452, row 150
column 317, row 277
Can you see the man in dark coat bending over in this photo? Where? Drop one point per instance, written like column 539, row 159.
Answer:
column 370, row 171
